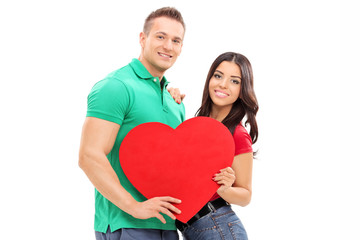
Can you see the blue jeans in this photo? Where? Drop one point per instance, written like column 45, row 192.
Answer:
column 221, row 224
column 137, row 234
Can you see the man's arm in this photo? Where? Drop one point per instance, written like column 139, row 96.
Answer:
column 97, row 140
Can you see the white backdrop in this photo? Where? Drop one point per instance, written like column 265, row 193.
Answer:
column 305, row 57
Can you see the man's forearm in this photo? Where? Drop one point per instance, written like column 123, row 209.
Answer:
column 103, row 177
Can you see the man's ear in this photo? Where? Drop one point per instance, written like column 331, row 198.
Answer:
column 142, row 39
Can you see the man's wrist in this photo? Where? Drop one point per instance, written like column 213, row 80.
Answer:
column 129, row 206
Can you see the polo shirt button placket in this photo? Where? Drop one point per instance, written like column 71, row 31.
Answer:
column 165, row 109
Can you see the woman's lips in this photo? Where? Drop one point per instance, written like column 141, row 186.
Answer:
column 221, row 94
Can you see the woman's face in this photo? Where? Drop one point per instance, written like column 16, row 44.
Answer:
column 224, row 85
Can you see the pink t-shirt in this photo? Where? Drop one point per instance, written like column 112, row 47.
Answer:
column 243, row 144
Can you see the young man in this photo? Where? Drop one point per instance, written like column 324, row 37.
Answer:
column 127, row 97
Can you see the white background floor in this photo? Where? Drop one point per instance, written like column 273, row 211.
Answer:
column 305, row 57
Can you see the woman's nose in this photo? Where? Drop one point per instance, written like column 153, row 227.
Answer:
column 223, row 83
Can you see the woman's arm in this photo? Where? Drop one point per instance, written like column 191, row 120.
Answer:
column 236, row 181
column 175, row 93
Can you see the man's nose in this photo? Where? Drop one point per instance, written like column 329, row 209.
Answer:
column 168, row 44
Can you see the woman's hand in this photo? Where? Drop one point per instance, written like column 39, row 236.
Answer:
column 226, row 178
column 175, row 93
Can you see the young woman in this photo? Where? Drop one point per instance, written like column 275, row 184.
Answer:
column 228, row 97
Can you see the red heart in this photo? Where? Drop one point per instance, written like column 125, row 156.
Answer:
column 161, row 161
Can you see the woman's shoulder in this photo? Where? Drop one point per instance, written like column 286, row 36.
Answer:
column 240, row 131
column 242, row 139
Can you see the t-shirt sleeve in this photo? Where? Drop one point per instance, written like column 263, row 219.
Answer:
column 243, row 142
column 108, row 100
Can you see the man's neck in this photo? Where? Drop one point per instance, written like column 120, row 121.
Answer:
column 153, row 71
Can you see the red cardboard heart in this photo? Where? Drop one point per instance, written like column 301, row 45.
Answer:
column 161, row 161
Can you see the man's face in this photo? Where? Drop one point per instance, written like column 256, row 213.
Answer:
column 162, row 45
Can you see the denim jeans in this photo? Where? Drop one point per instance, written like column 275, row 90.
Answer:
column 137, row 234
column 221, row 224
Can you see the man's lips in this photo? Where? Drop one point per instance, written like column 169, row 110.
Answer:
column 164, row 55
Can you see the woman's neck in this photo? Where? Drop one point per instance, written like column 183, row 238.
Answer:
column 219, row 113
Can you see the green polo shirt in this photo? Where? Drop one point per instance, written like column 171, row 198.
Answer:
column 130, row 96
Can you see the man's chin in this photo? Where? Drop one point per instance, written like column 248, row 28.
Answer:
column 165, row 67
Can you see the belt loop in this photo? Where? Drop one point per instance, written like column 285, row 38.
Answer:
column 185, row 227
column 211, row 207
column 181, row 226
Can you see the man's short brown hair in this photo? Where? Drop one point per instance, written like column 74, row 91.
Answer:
column 162, row 12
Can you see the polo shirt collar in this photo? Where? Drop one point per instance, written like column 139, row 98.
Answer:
column 142, row 72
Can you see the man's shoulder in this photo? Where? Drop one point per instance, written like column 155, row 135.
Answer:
column 122, row 74
column 122, row 77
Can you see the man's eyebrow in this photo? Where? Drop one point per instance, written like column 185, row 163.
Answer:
column 165, row 34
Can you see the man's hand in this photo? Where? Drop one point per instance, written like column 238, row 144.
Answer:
column 154, row 206
column 175, row 93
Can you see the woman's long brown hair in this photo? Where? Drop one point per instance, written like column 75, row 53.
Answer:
column 245, row 106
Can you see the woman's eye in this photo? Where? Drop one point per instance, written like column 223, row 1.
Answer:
column 160, row 37
column 235, row 81
column 217, row 76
